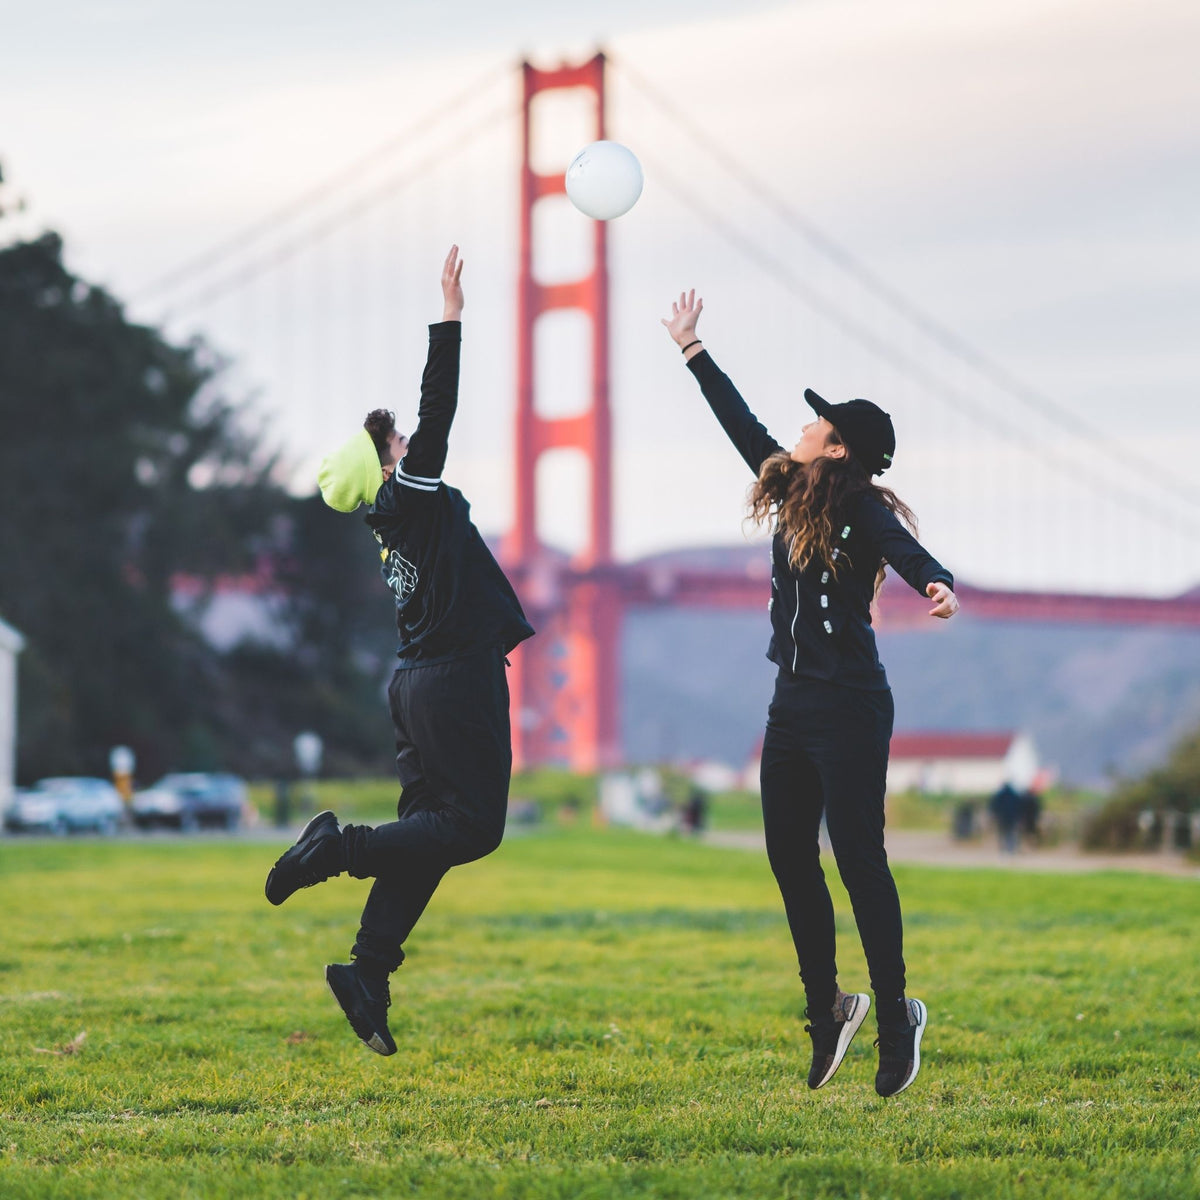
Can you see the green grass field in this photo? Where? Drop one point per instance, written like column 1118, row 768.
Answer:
column 582, row 1015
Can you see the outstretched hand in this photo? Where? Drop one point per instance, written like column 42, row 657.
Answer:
column 945, row 602
column 685, row 312
column 452, row 293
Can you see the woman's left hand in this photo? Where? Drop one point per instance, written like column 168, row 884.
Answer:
column 945, row 602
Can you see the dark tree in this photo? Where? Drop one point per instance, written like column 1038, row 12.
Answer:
column 122, row 467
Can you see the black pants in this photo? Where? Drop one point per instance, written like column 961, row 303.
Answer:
column 454, row 759
column 826, row 750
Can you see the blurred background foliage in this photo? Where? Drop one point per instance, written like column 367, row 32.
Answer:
column 124, row 467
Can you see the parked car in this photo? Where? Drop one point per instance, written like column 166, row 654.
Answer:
column 33, row 812
column 66, row 803
column 189, row 800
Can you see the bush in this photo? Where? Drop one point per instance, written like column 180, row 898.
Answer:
column 1143, row 812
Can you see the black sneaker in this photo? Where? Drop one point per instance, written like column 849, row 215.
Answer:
column 365, row 1003
column 304, row 863
column 900, row 1051
column 832, row 1035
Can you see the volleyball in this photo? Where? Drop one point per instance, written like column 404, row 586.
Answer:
column 604, row 180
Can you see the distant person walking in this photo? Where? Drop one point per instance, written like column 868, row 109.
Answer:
column 1005, row 807
column 829, row 725
column 457, row 617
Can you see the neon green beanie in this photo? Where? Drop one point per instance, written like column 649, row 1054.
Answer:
column 351, row 474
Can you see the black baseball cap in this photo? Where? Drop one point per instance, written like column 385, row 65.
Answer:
column 863, row 426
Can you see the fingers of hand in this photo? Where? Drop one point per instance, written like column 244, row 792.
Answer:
column 947, row 605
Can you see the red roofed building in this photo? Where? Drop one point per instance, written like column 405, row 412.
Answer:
column 960, row 763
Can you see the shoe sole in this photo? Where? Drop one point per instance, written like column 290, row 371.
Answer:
column 924, row 1020
column 299, row 837
column 374, row 1042
column 850, row 1027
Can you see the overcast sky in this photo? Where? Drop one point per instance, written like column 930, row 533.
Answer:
column 1026, row 172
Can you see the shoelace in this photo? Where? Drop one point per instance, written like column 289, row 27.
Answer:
column 824, row 1034
column 891, row 1043
column 371, row 993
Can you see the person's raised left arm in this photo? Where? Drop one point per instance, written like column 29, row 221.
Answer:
column 421, row 467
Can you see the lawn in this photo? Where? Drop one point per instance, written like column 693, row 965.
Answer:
column 585, row 1014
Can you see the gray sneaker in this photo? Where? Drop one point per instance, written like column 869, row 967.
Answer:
column 900, row 1051
column 832, row 1035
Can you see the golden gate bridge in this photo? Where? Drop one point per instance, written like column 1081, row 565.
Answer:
column 565, row 683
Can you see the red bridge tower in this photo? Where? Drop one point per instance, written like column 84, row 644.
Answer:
column 564, row 681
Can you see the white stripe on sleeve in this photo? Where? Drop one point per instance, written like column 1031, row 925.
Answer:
column 417, row 478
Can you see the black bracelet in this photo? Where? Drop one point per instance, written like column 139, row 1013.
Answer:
column 689, row 346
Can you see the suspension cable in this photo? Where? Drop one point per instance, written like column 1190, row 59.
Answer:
column 316, row 233
column 937, row 332
column 890, row 353
column 344, row 177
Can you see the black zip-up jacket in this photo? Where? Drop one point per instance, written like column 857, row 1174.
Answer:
column 452, row 598
column 821, row 621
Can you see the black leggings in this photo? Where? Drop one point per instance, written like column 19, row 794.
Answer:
column 826, row 750
column 454, row 759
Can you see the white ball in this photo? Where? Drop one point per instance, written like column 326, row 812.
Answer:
column 604, row 180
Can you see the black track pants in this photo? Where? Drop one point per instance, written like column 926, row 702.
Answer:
column 826, row 750
column 454, row 759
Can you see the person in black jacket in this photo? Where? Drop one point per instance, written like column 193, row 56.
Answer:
column 829, row 725
column 457, row 617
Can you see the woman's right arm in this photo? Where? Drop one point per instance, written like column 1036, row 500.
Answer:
column 743, row 428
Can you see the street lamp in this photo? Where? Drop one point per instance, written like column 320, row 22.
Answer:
column 308, row 748
column 121, row 761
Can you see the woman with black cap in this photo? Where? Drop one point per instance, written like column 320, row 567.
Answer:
column 825, row 749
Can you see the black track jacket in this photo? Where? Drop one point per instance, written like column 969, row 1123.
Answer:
column 821, row 622
column 452, row 599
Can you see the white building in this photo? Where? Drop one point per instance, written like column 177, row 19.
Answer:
column 11, row 644
column 961, row 764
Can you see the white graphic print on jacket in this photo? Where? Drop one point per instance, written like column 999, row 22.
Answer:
column 401, row 576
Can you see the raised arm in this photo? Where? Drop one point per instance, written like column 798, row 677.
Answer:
column 743, row 428
column 421, row 466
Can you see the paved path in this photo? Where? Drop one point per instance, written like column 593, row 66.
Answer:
column 940, row 850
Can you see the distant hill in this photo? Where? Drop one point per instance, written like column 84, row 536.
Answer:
column 1097, row 700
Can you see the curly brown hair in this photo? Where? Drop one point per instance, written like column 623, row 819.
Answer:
column 805, row 502
column 380, row 424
